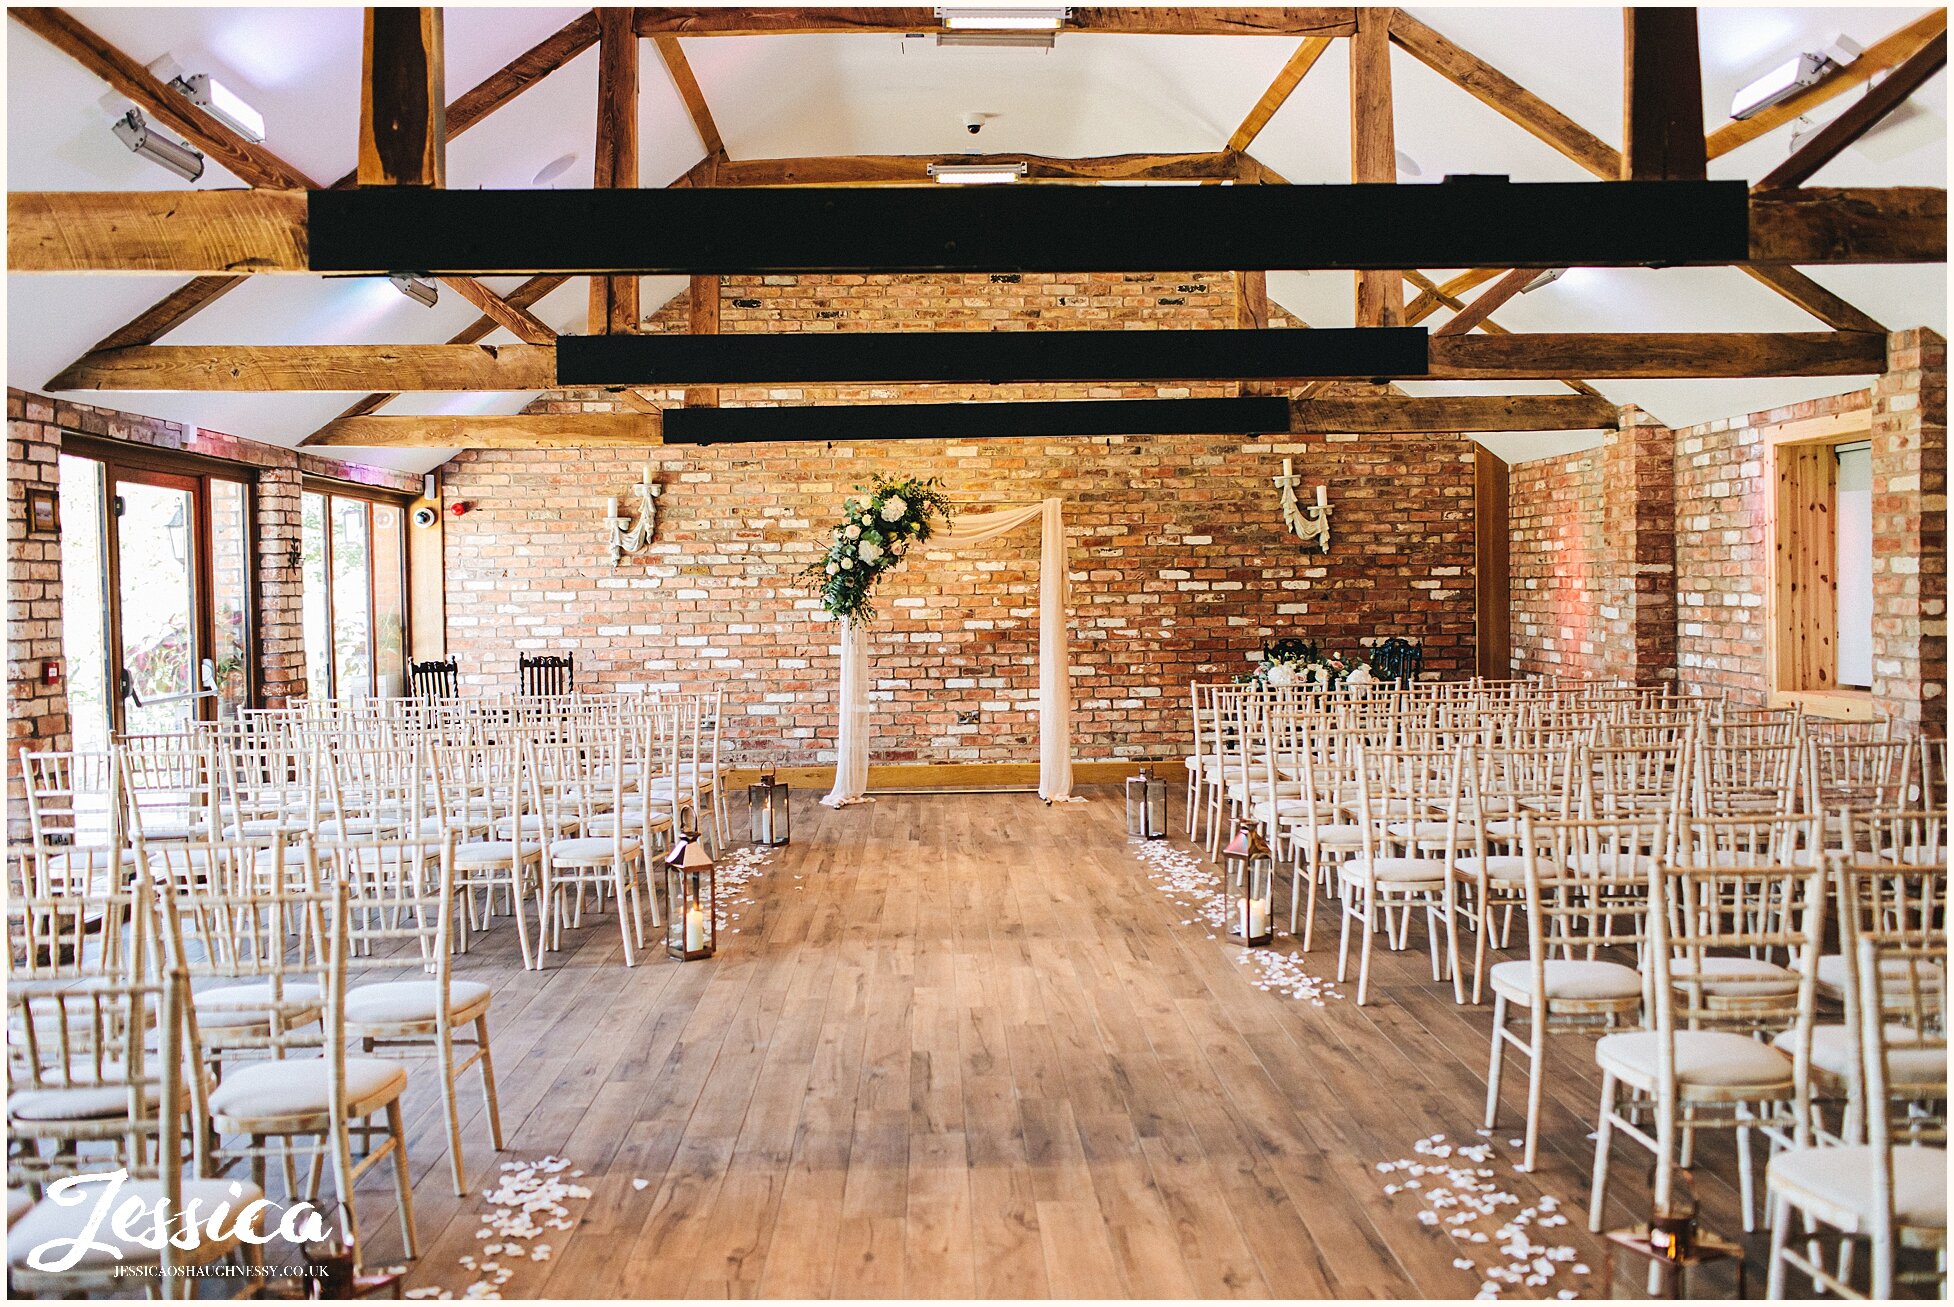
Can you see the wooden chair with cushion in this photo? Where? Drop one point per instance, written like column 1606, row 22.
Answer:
column 1585, row 890
column 1713, row 989
column 105, row 1032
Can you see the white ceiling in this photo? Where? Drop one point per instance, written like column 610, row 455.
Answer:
column 812, row 95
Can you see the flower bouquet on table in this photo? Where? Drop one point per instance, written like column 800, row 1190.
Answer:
column 874, row 534
column 1294, row 662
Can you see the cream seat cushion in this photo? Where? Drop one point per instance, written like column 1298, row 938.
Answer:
column 1832, row 974
column 1836, row 1185
column 401, row 1002
column 1719, row 1059
column 296, row 1088
column 1569, row 979
column 590, row 850
column 233, row 1006
column 493, row 853
column 1726, row 977
column 1835, row 1053
column 1397, row 871
column 1501, row 868
column 48, row 1220
column 18, row 1201
column 63, row 1103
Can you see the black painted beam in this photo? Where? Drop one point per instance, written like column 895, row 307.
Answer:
column 1084, row 417
column 995, row 357
column 1468, row 222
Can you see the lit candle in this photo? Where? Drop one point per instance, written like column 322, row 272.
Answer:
column 1255, row 918
column 695, row 928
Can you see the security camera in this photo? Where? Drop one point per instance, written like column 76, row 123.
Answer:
column 973, row 123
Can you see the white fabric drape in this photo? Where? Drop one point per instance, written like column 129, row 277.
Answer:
column 1054, row 682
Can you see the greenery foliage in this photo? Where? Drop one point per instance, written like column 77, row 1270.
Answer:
column 873, row 536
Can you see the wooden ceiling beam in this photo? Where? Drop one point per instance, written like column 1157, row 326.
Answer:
column 1662, row 96
column 1463, row 413
column 1860, row 117
column 1277, row 95
column 1151, row 20
column 614, row 299
column 1486, row 302
column 490, row 431
column 1889, row 52
column 1814, row 299
column 1505, row 96
column 1374, row 152
column 1471, row 357
column 688, row 90
column 1837, row 225
column 403, row 98
column 913, row 169
column 517, row 320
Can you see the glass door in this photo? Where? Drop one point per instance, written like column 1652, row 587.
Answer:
column 156, row 536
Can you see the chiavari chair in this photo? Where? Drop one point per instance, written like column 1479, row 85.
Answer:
column 487, row 796
column 575, row 784
column 74, row 822
column 1506, row 784
column 170, row 784
column 1405, row 869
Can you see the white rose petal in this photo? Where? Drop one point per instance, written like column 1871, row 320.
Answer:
column 870, row 551
column 853, row 531
column 893, row 508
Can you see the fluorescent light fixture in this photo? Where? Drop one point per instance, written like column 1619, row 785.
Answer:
column 978, row 174
column 1002, row 20
column 1547, row 278
column 1779, row 85
column 1007, row 40
column 223, row 104
column 134, row 132
column 415, row 287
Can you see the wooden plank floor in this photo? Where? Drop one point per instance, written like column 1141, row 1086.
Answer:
column 963, row 1045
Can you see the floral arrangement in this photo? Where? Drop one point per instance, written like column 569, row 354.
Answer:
column 873, row 535
column 1290, row 661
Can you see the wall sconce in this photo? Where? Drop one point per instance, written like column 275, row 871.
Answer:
column 628, row 537
column 1307, row 524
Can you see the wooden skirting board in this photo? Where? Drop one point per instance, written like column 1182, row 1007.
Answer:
column 962, row 775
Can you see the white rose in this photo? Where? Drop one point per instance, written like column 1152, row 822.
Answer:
column 852, row 532
column 870, row 551
column 833, row 568
column 1281, row 674
column 893, row 508
column 847, row 564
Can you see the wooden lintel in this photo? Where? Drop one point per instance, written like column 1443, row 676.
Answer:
column 487, row 431
column 1662, row 95
column 1147, row 19
column 403, row 99
column 1463, row 413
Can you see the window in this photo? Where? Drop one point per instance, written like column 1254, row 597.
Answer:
column 354, row 565
column 1821, row 559
column 156, row 578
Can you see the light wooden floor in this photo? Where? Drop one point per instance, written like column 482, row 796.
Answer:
column 962, row 1046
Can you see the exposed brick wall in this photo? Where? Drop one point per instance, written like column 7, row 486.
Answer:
column 1179, row 564
column 1638, row 584
column 1558, row 565
column 1570, row 566
column 38, row 713
column 1910, row 530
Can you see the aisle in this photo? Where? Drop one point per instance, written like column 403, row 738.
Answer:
column 964, row 1045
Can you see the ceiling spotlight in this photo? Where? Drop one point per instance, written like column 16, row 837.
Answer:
column 1546, row 278
column 978, row 174
column 415, row 287
column 179, row 158
column 1008, row 40
column 223, row 104
column 1001, row 19
column 1780, row 84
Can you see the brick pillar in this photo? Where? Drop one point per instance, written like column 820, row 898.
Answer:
column 281, row 593
column 37, row 713
column 1638, row 571
column 1909, row 458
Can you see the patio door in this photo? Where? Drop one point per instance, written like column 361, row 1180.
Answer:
column 158, row 628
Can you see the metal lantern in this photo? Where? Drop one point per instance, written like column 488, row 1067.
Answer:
column 1249, row 876
column 1146, row 805
column 690, row 931
column 767, row 802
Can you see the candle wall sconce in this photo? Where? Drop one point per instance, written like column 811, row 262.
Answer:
column 1307, row 524
column 628, row 537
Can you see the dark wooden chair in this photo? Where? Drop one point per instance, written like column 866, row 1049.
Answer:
column 1397, row 659
column 435, row 680
column 547, row 673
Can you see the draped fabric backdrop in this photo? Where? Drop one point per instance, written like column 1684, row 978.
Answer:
column 1054, row 682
